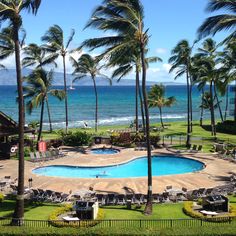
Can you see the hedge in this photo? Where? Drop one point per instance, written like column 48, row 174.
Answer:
column 53, row 218
column 188, row 210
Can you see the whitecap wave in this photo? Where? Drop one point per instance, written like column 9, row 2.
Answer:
column 112, row 121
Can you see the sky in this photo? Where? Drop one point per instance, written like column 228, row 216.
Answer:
column 169, row 21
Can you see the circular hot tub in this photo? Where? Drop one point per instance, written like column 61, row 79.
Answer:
column 104, row 151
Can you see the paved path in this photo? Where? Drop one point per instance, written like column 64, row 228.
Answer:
column 216, row 173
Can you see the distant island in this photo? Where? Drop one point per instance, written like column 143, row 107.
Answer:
column 8, row 77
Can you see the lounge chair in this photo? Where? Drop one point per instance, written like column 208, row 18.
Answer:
column 155, row 198
column 32, row 157
column 194, row 148
column 199, row 149
column 101, row 198
column 138, row 198
column 111, row 199
column 38, row 156
column 70, row 219
column 130, row 197
column 120, row 199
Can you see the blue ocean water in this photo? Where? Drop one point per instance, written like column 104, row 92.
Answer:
column 116, row 106
column 166, row 165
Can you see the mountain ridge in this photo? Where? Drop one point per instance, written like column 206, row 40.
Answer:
column 10, row 74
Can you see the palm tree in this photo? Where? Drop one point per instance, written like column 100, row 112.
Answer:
column 128, row 63
column 88, row 66
column 11, row 10
column 209, row 73
column 157, row 99
column 227, row 59
column 36, row 56
column 126, row 19
column 39, row 84
column 181, row 60
column 217, row 23
column 56, row 45
column 207, row 102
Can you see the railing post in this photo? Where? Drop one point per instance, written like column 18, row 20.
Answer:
column 171, row 223
column 201, row 222
column 140, row 223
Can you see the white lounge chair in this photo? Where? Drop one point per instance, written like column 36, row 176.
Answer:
column 70, row 219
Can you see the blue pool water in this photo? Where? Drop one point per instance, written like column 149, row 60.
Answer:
column 161, row 165
column 104, row 151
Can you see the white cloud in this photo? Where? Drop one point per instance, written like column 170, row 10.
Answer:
column 161, row 50
column 166, row 67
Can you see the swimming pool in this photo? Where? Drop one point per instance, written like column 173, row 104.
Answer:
column 104, row 151
column 161, row 165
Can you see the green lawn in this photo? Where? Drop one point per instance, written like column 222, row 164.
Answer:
column 160, row 211
column 32, row 211
column 200, row 136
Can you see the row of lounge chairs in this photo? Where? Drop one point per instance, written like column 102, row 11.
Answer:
column 40, row 195
column 195, row 148
column 6, row 182
column 45, row 156
column 229, row 155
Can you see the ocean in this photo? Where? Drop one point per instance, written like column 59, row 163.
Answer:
column 116, row 106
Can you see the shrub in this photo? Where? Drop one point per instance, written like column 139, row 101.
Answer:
column 53, row 218
column 77, row 138
column 154, row 139
column 188, row 210
column 1, row 197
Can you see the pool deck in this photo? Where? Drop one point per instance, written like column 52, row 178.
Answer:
column 216, row 173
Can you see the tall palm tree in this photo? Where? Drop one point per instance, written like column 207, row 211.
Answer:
column 11, row 10
column 228, row 60
column 181, row 60
column 39, row 84
column 128, row 63
column 36, row 56
column 210, row 73
column 88, row 66
column 56, row 45
column 220, row 22
column 156, row 98
column 126, row 19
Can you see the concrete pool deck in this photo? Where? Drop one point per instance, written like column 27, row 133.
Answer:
column 216, row 173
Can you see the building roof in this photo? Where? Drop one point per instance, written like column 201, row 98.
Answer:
column 9, row 127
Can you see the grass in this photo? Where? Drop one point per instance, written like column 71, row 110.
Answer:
column 200, row 136
column 226, row 230
column 32, row 211
column 160, row 211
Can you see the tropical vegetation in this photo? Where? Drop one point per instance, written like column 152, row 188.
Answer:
column 157, row 99
column 210, row 66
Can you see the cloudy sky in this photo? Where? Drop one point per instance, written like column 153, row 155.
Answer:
column 169, row 21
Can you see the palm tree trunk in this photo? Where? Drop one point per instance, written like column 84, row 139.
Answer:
column 218, row 103
column 141, row 104
column 49, row 115
column 96, row 108
column 162, row 124
column 235, row 102
column 65, row 90
column 136, row 100
column 213, row 129
column 191, row 106
column 41, row 120
column 148, row 207
column 201, row 115
column 19, row 208
column 226, row 102
column 188, row 113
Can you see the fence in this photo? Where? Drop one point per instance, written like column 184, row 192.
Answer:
column 181, row 140
column 156, row 223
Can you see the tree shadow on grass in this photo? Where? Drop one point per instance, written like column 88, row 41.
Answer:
column 140, row 210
